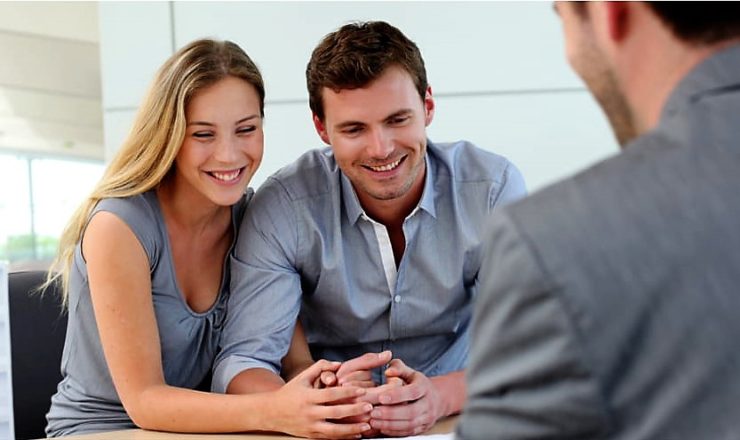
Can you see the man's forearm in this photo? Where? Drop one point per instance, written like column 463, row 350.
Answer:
column 451, row 387
column 254, row 380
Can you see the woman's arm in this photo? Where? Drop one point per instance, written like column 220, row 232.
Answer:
column 120, row 288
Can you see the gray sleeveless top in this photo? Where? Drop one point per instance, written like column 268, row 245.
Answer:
column 86, row 400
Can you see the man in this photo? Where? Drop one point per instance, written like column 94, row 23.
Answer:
column 377, row 236
column 609, row 302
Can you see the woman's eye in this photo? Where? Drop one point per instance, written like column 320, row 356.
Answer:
column 245, row 130
column 202, row 134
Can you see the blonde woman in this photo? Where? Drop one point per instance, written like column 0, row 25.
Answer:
column 143, row 264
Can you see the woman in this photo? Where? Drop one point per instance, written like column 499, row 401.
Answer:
column 144, row 274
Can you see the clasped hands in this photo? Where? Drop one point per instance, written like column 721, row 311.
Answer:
column 407, row 404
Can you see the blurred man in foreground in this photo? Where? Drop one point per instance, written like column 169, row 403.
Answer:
column 609, row 302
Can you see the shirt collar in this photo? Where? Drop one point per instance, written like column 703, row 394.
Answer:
column 717, row 72
column 349, row 199
column 352, row 203
column 429, row 195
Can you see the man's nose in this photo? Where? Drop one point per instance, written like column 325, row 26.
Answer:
column 379, row 145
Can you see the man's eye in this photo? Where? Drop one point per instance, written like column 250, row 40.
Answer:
column 399, row 120
column 352, row 130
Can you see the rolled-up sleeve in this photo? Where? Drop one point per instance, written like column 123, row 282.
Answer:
column 265, row 289
column 528, row 376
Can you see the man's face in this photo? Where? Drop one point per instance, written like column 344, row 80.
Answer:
column 378, row 135
column 590, row 63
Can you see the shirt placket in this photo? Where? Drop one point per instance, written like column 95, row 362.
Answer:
column 396, row 318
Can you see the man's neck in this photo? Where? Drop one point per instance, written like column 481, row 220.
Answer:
column 655, row 66
column 393, row 212
column 652, row 95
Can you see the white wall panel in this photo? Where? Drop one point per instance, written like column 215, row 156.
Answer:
column 497, row 69
column 547, row 135
column 135, row 39
column 289, row 133
column 467, row 46
column 538, row 132
column 116, row 125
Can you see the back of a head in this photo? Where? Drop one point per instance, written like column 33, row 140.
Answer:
column 358, row 53
column 702, row 23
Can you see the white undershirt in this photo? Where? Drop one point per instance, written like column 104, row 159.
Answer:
column 386, row 251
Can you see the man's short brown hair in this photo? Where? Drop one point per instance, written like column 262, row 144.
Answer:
column 358, row 53
column 705, row 22
column 702, row 23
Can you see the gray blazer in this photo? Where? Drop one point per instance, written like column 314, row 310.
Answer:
column 609, row 305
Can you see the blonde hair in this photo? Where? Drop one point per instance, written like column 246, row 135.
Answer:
column 148, row 152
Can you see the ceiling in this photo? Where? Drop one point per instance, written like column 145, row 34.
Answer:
column 50, row 98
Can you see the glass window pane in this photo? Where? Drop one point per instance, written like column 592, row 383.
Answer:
column 15, row 212
column 59, row 186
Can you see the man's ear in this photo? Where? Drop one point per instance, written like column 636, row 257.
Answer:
column 617, row 19
column 428, row 107
column 321, row 129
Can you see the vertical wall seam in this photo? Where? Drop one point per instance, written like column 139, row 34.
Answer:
column 173, row 47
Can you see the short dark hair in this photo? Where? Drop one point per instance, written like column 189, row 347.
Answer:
column 358, row 53
column 705, row 22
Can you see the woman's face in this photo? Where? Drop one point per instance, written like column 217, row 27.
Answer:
column 223, row 141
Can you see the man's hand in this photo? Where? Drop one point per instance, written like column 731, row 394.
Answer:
column 359, row 367
column 357, row 373
column 416, row 406
column 301, row 410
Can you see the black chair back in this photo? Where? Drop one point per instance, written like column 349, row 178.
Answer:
column 37, row 329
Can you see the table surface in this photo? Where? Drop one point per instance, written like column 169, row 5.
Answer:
column 442, row 427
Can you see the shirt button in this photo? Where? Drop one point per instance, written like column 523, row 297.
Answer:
column 397, row 298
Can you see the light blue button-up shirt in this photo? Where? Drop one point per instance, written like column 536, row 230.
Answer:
column 306, row 245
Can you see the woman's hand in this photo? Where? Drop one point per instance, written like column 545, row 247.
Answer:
column 299, row 409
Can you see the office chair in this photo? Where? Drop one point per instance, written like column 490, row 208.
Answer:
column 37, row 329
